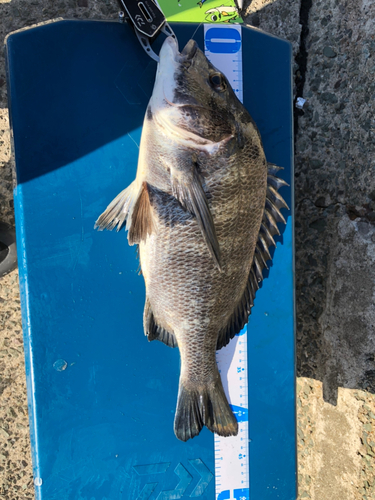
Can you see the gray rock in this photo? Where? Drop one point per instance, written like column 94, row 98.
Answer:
column 314, row 163
column 329, row 52
column 329, row 97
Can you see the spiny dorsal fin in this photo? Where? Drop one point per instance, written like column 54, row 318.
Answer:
column 187, row 188
column 268, row 228
column 153, row 330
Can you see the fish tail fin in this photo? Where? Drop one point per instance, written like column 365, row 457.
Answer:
column 203, row 405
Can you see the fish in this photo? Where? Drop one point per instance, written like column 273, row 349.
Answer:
column 222, row 14
column 203, row 210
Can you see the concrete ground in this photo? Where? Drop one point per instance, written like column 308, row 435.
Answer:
column 334, row 49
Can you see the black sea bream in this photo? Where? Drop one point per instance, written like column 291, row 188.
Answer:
column 203, row 209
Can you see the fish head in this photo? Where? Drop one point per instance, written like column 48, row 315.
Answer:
column 220, row 14
column 213, row 16
column 192, row 101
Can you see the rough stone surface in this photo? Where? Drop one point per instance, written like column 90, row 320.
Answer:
column 335, row 253
column 328, row 443
column 279, row 18
column 335, row 238
column 15, row 460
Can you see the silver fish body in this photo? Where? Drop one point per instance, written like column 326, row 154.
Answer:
column 203, row 210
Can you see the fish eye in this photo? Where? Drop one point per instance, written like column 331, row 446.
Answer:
column 214, row 18
column 217, row 82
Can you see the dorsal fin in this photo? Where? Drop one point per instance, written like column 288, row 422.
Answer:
column 153, row 330
column 268, row 228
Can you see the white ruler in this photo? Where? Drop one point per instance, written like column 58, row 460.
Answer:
column 223, row 48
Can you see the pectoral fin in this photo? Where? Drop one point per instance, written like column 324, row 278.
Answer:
column 133, row 206
column 187, row 188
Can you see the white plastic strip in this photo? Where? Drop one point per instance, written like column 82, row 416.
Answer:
column 223, row 48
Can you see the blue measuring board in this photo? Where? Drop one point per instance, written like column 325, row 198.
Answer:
column 101, row 398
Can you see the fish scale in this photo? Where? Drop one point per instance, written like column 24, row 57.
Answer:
column 231, row 453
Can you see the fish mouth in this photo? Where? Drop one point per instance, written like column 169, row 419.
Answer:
column 169, row 50
column 189, row 51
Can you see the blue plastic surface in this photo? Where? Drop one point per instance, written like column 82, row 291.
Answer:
column 101, row 398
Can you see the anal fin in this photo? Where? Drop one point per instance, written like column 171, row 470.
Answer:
column 155, row 331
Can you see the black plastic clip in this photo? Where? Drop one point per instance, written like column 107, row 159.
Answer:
column 148, row 21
